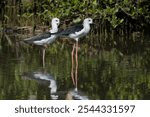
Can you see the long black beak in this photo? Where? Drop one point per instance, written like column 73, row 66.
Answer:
column 93, row 23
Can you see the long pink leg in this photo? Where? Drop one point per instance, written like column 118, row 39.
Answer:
column 44, row 49
column 72, row 70
column 76, row 64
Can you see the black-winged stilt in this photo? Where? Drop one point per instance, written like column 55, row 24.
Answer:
column 45, row 38
column 75, row 32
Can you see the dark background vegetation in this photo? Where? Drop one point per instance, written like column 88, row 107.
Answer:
column 115, row 12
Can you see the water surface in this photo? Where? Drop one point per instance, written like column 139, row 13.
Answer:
column 102, row 73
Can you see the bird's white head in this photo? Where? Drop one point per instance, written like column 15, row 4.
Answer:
column 55, row 24
column 88, row 21
column 55, row 21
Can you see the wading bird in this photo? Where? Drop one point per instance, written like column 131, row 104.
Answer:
column 76, row 32
column 45, row 38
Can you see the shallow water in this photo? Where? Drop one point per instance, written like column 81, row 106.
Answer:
column 100, row 75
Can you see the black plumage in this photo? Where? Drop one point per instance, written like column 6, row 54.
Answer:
column 71, row 30
column 38, row 37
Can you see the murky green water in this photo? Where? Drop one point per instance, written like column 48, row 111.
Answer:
column 101, row 74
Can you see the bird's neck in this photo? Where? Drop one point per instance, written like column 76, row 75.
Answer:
column 54, row 28
column 86, row 27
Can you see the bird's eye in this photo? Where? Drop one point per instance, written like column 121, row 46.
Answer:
column 89, row 20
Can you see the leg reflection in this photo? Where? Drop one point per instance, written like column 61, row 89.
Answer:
column 43, row 57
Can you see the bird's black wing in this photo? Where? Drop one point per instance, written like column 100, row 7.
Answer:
column 71, row 30
column 38, row 37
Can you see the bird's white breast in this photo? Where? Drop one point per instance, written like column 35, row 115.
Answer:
column 80, row 34
column 45, row 41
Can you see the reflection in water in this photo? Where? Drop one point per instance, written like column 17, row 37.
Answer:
column 45, row 78
column 41, row 77
column 75, row 94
